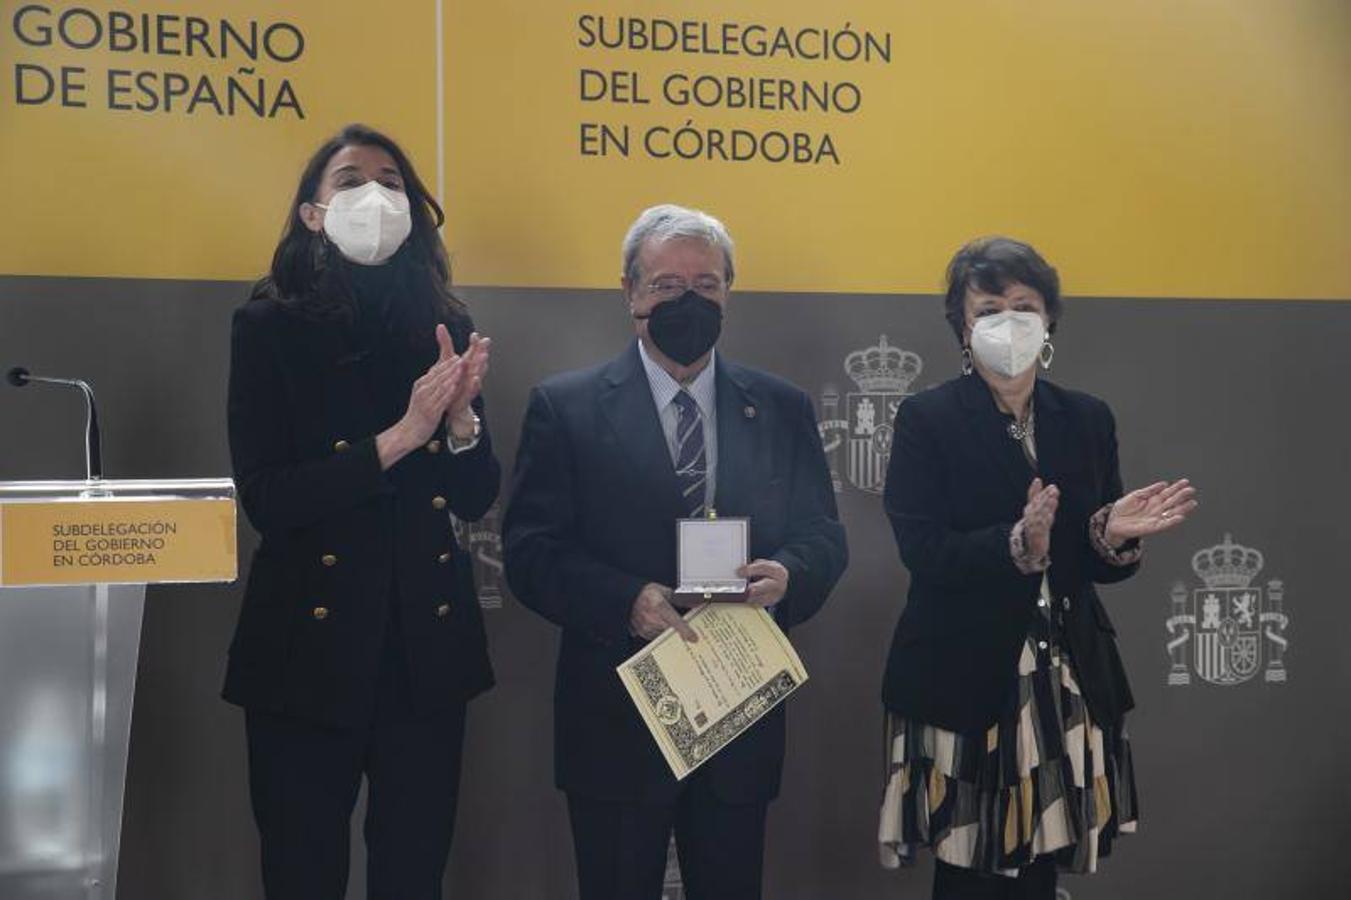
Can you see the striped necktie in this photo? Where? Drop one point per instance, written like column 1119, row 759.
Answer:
column 691, row 464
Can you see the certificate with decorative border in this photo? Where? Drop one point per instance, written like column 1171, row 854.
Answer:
column 696, row 698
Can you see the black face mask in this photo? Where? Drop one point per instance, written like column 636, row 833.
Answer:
column 685, row 328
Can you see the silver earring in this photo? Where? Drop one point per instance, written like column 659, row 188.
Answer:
column 967, row 365
column 1047, row 354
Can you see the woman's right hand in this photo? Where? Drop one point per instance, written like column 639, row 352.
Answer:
column 1038, row 517
column 426, row 407
column 429, row 397
column 475, row 365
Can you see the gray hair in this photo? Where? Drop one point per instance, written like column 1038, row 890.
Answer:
column 667, row 221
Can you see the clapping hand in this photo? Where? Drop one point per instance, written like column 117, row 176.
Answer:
column 470, row 369
column 1038, row 516
column 442, row 394
column 434, row 392
column 1150, row 510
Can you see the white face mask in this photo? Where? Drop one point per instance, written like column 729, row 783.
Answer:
column 367, row 223
column 1007, row 343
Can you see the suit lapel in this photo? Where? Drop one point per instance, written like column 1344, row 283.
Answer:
column 626, row 403
column 740, row 425
column 989, row 429
column 1054, row 436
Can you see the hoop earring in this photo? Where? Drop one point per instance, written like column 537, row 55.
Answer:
column 968, row 366
column 1046, row 355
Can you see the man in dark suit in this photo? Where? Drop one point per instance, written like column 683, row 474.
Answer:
column 610, row 458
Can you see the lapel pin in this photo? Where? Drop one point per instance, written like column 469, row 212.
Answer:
column 749, row 412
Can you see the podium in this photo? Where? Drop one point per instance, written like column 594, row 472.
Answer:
column 75, row 557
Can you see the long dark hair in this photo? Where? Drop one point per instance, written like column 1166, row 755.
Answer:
column 311, row 278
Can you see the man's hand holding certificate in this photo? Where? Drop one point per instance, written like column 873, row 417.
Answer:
column 696, row 697
column 709, row 676
column 653, row 613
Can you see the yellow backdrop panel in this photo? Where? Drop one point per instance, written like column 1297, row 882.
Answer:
column 176, row 189
column 1151, row 148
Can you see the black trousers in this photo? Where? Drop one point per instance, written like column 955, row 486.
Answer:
column 1034, row 882
column 621, row 847
column 304, row 779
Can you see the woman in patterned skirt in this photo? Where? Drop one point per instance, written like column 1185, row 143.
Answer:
column 1005, row 696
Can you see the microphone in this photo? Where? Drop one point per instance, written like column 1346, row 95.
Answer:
column 93, row 444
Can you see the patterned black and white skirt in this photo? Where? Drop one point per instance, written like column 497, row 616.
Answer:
column 1045, row 779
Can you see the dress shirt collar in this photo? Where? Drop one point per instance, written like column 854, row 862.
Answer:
column 664, row 387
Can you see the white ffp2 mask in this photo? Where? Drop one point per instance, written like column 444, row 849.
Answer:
column 1007, row 343
column 367, row 223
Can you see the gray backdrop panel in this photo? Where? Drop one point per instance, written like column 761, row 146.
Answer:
column 1244, row 787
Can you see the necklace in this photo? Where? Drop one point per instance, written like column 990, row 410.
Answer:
column 1020, row 430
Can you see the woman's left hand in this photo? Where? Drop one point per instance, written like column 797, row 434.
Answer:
column 1150, row 510
column 475, row 365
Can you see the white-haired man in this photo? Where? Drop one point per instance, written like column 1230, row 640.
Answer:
column 610, row 457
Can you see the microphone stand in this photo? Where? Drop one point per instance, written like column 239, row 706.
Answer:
column 93, row 443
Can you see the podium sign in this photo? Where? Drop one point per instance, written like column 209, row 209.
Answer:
column 113, row 541
column 75, row 558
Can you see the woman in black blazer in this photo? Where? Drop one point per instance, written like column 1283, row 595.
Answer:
column 1004, row 691
column 356, row 429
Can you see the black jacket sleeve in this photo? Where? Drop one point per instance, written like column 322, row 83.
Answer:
column 915, row 503
column 475, row 476
column 1100, row 570
column 548, row 570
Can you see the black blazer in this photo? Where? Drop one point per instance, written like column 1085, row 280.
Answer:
column 956, row 485
column 592, row 519
column 338, row 534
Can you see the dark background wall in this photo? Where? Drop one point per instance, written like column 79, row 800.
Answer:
column 1244, row 788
